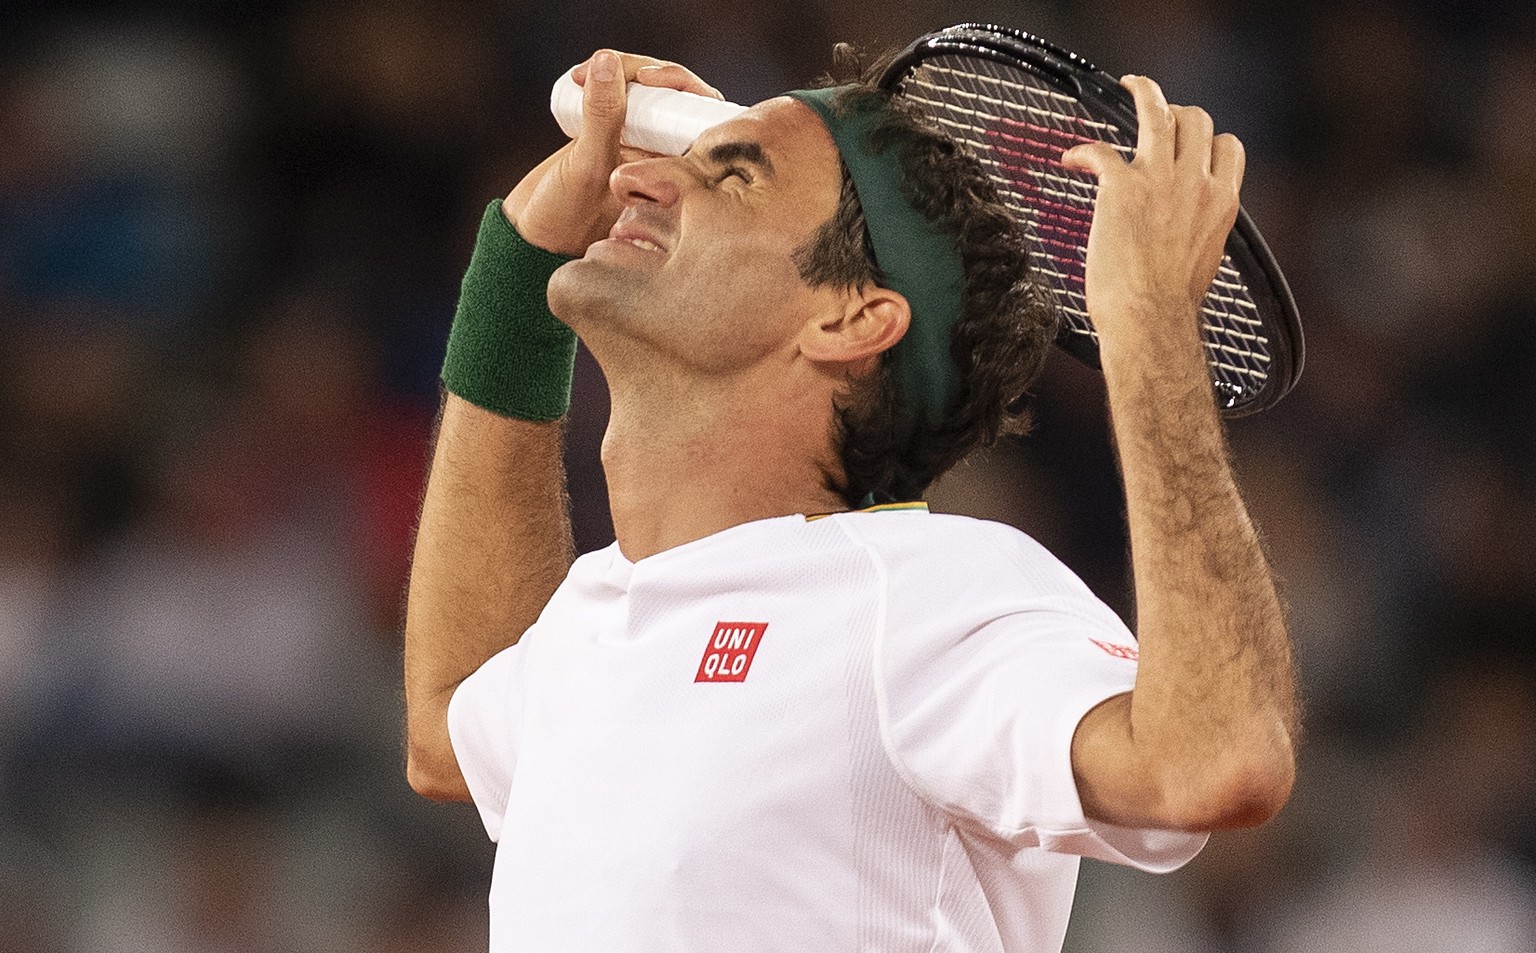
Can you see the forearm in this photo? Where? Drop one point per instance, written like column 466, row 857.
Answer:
column 1213, row 713
column 493, row 543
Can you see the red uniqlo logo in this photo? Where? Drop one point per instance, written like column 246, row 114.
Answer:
column 1118, row 651
column 729, row 652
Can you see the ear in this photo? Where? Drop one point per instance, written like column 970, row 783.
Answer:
column 869, row 321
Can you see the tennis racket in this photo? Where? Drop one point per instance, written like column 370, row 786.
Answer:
column 1016, row 102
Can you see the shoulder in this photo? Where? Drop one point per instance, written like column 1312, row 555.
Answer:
column 961, row 551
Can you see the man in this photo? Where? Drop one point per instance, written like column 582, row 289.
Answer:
column 744, row 727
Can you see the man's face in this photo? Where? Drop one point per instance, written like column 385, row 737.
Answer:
column 698, row 269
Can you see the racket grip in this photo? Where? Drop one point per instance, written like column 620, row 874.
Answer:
column 664, row 121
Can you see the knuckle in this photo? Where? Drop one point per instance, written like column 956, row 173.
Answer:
column 637, row 63
column 1221, row 196
column 1218, row 187
column 603, row 99
column 1196, row 115
column 604, row 107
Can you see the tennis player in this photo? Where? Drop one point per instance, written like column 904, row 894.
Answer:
column 790, row 709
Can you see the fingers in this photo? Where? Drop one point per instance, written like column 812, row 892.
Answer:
column 629, row 154
column 649, row 71
column 632, row 63
column 596, row 150
column 1155, row 122
column 1228, row 160
column 1166, row 132
column 1160, row 222
column 1097, row 158
column 1192, row 138
column 602, row 79
column 1182, row 135
column 673, row 76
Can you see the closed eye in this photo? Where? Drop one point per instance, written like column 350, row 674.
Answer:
column 737, row 171
column 739, row 159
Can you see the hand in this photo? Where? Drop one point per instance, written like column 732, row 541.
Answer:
column 1160, row 224
column 564, row 204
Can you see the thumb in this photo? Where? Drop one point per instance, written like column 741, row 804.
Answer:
column 1095, row 158
column 602, row 114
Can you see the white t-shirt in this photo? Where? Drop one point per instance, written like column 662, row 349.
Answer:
column 850, row 734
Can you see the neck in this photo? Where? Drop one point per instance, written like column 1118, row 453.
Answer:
column 683, row 464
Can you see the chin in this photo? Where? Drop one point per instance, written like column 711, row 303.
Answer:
column 581, row 290
column 594, row 299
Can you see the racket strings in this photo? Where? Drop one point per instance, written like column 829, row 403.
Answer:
column 1017, row 126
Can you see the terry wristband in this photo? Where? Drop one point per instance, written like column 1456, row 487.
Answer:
column 506, row 352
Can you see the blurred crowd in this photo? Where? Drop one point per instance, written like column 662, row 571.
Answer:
column 230, row 243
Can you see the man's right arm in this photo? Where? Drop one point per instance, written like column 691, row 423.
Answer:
column 494, row 540
column 493, row 544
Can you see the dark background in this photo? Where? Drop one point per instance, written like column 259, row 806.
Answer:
column 230, row 242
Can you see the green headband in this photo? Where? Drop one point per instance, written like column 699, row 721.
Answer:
column 920, row 262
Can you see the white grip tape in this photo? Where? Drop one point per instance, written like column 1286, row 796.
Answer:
column 664, row 121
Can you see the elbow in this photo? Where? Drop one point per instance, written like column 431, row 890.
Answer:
column 1245, row 801
column 431, row 767
column 1237, row 792
column 434, row 776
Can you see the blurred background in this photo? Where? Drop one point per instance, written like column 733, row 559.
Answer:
column 231, row 236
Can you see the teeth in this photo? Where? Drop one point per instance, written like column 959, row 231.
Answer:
column 642, row 243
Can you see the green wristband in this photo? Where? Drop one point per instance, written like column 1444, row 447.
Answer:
column 506, row 352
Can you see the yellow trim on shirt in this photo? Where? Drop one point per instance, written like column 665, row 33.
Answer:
column 917, row 505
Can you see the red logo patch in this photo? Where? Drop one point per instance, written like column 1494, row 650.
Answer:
column 1118, row 651
column 729, row 653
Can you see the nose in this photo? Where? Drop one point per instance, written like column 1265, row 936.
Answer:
column 648, row 181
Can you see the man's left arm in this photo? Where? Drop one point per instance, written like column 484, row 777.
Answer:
column 1206, row 739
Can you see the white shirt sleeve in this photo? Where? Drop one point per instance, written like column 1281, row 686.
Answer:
column 485, row 718
column 979, row 706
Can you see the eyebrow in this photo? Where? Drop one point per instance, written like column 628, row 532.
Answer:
column 742, row 151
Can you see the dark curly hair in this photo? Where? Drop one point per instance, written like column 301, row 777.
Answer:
column 1007, row 321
